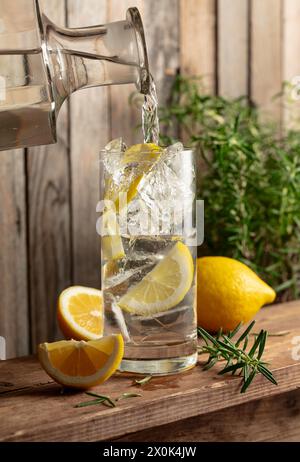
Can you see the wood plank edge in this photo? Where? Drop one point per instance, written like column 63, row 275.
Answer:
column 126, row 420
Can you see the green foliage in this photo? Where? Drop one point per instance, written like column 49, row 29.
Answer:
column 249, row 178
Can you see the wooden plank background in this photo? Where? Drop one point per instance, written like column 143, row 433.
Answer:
column 49, row 194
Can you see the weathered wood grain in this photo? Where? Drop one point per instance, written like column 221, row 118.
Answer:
column 165, row 400
column 233, row 43
column 270, row 419
column 198, row 40
column 162, row 36
column 291, row 61
column 266, row 55
column 14, row 325
column 89, row 134
column 49, row 219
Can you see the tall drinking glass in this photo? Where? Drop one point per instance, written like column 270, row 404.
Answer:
column 148, row 253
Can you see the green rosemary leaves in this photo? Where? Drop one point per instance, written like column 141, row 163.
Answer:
column 238, row 358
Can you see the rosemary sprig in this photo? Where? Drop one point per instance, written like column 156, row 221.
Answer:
column 101, row 399
column 105, row 400
column 143, row 381
column 238, row 359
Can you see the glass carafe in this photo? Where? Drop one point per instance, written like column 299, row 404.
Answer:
column 41, row 64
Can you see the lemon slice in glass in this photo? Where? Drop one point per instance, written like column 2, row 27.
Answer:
column 135, row 163
column 112, row 246
column 163, row 287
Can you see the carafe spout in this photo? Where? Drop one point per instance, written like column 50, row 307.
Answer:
column 108, row 54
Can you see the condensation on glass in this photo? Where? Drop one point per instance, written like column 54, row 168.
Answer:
column 41, row 64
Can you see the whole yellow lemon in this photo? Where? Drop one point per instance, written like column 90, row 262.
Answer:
column 228, row 292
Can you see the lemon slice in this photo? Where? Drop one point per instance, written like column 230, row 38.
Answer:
column 82, row 364
column 80, row 313
column 163, row 287
column 136, row 162
column 112, row 246
column 146, row 152
column 110, row 268
column 143, row 156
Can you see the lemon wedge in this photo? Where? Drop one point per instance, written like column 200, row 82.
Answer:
column 82, row 364
column 163, row 287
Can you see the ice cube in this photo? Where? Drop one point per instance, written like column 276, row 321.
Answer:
column 117, row 285
column 171, row 152
column 111, row 157
column 116, row 145
column 123, row 168
column 147, row 249
column 167, row 189
column 136, row 219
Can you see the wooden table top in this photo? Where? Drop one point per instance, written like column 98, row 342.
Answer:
column 32, row 407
